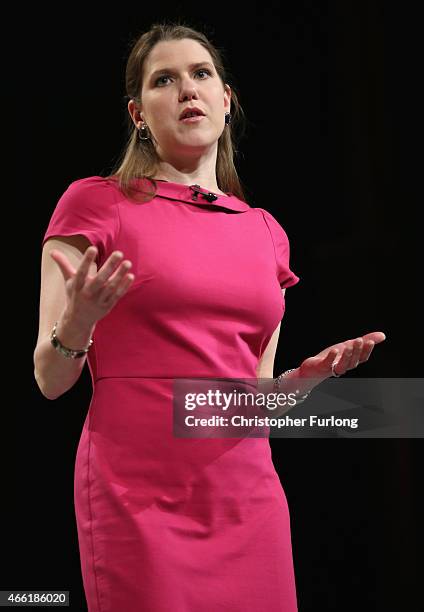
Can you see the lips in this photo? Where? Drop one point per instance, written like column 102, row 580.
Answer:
column 186, row 112
column 194, row 119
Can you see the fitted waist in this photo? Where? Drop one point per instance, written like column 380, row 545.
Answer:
column 179, row 384
column 240, row 378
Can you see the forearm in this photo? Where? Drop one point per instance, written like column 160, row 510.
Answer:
column 55, row 373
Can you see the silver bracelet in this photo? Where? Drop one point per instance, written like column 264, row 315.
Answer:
column 65, row 351
column 278, row 380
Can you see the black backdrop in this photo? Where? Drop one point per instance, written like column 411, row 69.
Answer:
column 330, row 92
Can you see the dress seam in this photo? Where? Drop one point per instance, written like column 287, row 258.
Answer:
column 276, row 260
column 91, row 523
column 118, row 235
column 211, row 377
column 272, row 240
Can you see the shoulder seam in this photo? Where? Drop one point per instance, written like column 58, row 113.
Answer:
column 272, row 239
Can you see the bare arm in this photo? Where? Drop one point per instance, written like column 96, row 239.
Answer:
column 76, row 295
column 53, row 372
column 313, row 370
column 265, row 369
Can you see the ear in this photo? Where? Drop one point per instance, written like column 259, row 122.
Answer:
column 134, row 111
column 227, row 97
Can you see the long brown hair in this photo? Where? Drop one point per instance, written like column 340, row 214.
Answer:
column 139, row 159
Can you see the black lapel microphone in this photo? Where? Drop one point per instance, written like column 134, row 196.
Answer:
column 209, row 196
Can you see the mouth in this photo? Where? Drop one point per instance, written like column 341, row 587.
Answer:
column 194, row 119
column 191, row 111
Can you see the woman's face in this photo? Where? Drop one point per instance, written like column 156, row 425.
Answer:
column 171, row 83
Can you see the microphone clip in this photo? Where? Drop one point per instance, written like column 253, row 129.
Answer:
column 209, row 196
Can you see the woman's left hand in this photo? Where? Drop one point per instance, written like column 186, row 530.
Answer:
column 344, row 355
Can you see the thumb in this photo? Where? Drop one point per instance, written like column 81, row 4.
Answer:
column 68, row 271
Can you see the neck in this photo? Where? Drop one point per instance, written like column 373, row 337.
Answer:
column 186, row 179
column 199, row 171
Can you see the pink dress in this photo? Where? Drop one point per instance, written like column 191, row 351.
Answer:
column 165, row 523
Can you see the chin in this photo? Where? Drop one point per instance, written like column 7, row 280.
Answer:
column 192, row 140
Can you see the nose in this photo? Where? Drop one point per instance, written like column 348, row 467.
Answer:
column 188, row 91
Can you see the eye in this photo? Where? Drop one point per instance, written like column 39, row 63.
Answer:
column 165, row 76
column 205, row 70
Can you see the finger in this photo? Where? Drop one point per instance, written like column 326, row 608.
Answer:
column 366, row 350
column 84, row 267
column 125, row 284
column 343, row 362
column 62, row 261
column 115, row 280
column 111, row 299
column 356, row 353
column 105, row 271
column 376, row 337
column 332, row 358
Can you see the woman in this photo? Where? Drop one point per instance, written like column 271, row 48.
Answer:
column 186, row 280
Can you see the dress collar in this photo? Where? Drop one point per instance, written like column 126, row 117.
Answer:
column 192, row 194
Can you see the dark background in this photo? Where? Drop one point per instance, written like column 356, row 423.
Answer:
column 330, row 93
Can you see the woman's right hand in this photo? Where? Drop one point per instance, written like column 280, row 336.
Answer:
column 90, row 298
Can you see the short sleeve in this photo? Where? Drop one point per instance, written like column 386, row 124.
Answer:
column 89, row 206
column 286, row 277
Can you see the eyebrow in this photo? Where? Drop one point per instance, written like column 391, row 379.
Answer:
column 196, row 65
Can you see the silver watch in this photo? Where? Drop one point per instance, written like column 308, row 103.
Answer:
column 67, row 352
